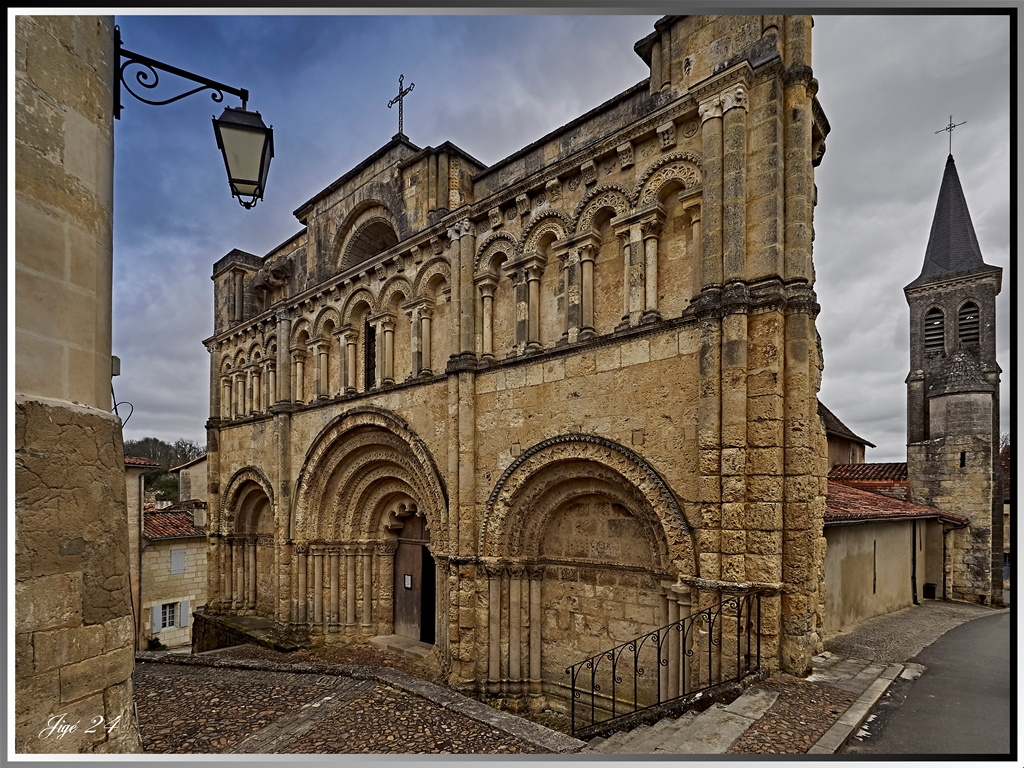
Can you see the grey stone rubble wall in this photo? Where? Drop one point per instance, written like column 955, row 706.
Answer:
column 541, row 737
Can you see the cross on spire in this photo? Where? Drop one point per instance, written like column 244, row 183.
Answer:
column 401, row 95
column 949, row 129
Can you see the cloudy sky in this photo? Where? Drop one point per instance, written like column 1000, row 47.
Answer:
column 492, row 84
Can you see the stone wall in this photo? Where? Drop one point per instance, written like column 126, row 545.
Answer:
column 160, row 586
column 73, row 630
column 619, row 316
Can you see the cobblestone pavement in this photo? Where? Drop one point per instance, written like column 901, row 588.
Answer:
column 801, row 715
column 202, row 709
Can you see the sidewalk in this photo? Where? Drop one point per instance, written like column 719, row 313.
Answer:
column 851, row 675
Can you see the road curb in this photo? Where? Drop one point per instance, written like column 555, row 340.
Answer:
column 851, row 720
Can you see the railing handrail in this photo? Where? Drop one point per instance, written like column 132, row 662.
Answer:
column 710, row 616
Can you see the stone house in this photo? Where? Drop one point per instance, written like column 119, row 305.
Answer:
column 192, row 480
column 72, row 630
column 527, row 411
column 174, row 577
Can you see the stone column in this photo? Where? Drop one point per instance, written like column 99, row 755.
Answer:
column 710, row 112
column 734, row 186
column 649, row 230
column 425, row 315
column 674, row 644
column 467, row 319
column 239, row 279
column 416, row 363
column 318, row 590
column 626, row 247
column 515, row 621
column 284, row 332
column 378, row 351
column 535, row 574
column 386, row 588
column 238, row 401
column 533, row 274
column 251, row 585
column 569, row 259
column 388, row 324
column 351, row 336
column 300, row 597
column 228, row 591
column 487, row 286
column 366, row 554
column 271, row 387
column 522, row 298
column 298, row 358
column 350, row 590
column 225, row 406
column 587, row 254
column 323, row 369
column 694, row 213
column 257, row 390
column 333, row 563
column 682, row 596
column 238, row 568
column 494, row 572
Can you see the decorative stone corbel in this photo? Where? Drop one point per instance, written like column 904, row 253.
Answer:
column 523, row 204
column 554, row 190
column 589, row 171
column 625, row 152
column 667, row 135
column 495, row 217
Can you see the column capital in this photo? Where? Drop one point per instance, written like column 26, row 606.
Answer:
column 494, row 570
column 387, row 548
column 516, row 570
column 459, row 230
column 487, row 285
column 534, row 572
column 734, row 97
column 650, row 227
column 710, row 108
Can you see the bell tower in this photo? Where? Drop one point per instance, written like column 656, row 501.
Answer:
column 953, row 396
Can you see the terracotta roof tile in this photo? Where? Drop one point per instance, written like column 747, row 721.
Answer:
column 170, row 523
column 846, row 504
column 138, row 461
column 893, row 472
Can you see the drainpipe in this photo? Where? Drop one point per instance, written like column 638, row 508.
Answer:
column 913, row 559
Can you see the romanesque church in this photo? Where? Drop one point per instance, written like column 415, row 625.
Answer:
column 526, row 412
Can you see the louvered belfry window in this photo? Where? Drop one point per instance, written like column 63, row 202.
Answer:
column 934, row 330
column 968, row 323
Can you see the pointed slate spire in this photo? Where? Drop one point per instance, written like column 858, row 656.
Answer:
column 953, row 249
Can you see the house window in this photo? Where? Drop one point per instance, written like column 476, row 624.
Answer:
column 968, row 324
column 934, row 330
column 177, row 561
column 168, row 615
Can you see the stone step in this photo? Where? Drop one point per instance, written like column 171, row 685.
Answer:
column 663, row 731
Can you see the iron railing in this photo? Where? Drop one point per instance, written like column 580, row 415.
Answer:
column 709, row 648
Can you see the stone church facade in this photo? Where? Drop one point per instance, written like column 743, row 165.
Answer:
column 528, row 411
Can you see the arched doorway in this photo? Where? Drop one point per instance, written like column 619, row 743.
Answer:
column 415, row 581
column 248, row 584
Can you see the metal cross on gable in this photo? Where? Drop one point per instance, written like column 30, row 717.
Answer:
column 949, row 129
column 401, row 95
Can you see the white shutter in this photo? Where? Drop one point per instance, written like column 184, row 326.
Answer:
column 177, row 561
column 154, row 620
column 183, row 615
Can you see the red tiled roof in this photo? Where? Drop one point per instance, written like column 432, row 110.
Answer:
column 846, row 504
column 893, row 472
column 170, row 524
column 138, row 461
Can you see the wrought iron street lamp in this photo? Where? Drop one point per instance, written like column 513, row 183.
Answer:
column 244, row 140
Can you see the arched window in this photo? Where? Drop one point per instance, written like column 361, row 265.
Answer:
column 934, row 330
column 967, row 323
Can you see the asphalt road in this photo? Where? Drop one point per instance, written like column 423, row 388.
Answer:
column 961, row 705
